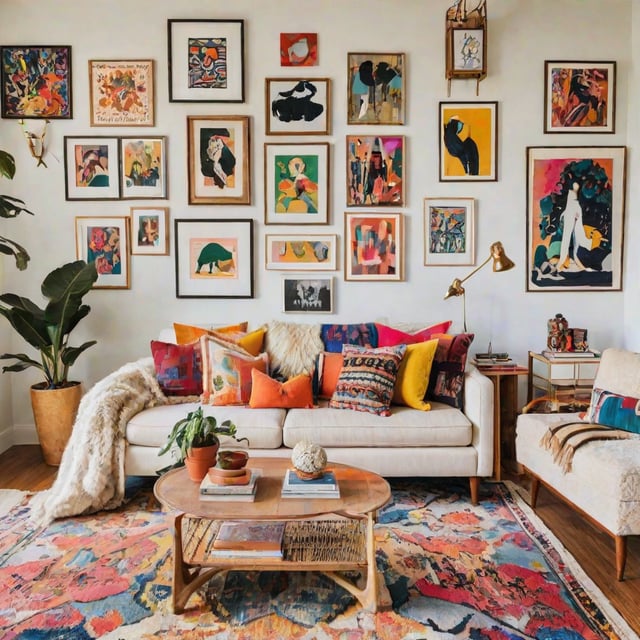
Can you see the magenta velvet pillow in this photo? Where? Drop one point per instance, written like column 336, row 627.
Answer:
column 389, row 337
column 178, row 367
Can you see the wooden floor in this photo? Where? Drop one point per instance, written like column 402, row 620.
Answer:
column 22, row 467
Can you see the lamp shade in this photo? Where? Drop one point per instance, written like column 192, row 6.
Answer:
column 501, row 261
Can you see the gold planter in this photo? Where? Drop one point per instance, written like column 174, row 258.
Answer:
column 54, row 412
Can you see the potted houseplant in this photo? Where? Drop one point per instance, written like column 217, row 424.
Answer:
column 55, row 400
column 195, row 442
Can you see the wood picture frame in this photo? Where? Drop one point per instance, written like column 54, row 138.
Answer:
column 579, row 97
column 297, row 106
column 219, row 159
column 376, row 88
column 92, row 168
column 214, row 258
column 149, row 231
column 121, row 93
column 307, row 295
column 46, row 89
column 296, row 183
column 301, row 252
column 374, row 246
column 449, row 231
column 206, row 60
column 105, row 241
column 468, row 141
column 575, row 218
column 375, row 168
column 143, row 167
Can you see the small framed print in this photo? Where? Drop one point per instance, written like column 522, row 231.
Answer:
column 579, row 97
column 150, row 231
column 105, row 241
column 91, row 168
column 44, row 86
column 374, row 246
column 375, row 170
column 376, row 88
column 214, row 258
column 298, row 49
column 121, row 93
column 301, row 252
column 307, row 295
column 219, row 162
column 298, row 106
column 296, row 183
column 206, row 60
column 143, row 167
column 449, row 226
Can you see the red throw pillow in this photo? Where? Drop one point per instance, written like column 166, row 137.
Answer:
column 268, row 393
column 390, row 337
column 446, row 381
column 178, row 367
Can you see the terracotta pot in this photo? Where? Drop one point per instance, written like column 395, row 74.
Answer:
column 198, row 461
column 54, row 412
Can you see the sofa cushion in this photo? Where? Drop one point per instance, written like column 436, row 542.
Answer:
column 267, row 392
column 389, row 336
column 413, row 375
column 187, row 333
column 292, row 348
column 326, row 374
column 614, row 410
column 336, row 335
column 178, row 368
column 446, row 380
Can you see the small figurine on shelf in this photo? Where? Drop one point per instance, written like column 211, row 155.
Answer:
column 580, row 340
column 557, row 333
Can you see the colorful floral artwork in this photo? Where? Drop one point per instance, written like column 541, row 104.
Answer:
column 298, row 49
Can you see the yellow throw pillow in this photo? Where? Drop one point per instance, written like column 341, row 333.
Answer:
column 251, row 342
column 413, row 376
column 186, row 333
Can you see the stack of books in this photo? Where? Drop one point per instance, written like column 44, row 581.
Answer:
column 219, row 490
column 324, row 487
column 493, row 361
column 589, row 354
column 244, row 539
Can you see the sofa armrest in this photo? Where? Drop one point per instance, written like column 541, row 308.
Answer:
column 478, row 407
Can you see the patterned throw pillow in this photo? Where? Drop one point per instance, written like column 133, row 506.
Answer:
column 266, row 392
column 446, row 381
column 614, row 410
column 178, row 368
column 390, row 336
column 335, row 335
column 367, row 379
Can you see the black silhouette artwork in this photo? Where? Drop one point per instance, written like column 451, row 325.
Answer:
column 297, row 104
column 466, row 150
column 217, row 160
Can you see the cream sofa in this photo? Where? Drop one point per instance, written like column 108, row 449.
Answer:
column 604, row 480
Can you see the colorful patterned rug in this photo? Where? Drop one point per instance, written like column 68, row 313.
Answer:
column 449, row 570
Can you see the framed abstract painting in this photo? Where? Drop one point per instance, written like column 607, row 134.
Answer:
column 143, row 167
column 301, row 252
column 149, row 231
column 298, row 49
column 449, row 231
column 307, row 295
column 91, row 168
column 373, row 246
column 297, row 106
column 575, row 218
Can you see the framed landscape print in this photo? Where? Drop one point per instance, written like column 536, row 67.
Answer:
column 121, row 93
column 373, row 246
column 296, row 183
column 575, row 218
column 307, row 295
column 150, row 231
column 214, row 258
column 298, row 49
column 91, row 168
column 301, row 252
column 468, row 141
column 44, row 88
column 297, row 106
column 375, row 169
column 206, row 60
column 218, row 163
column 105, row 241
column 376, row 88
column 579, row 97
column 143, row 167
column 449, row 231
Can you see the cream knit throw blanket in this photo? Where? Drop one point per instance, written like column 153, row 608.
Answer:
column 91, row 474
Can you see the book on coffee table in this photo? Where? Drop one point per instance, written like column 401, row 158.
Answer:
column 324, row 487
column 208, row 487
column 250, row 536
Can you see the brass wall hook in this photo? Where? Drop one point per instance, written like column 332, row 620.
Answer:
column 35, row 142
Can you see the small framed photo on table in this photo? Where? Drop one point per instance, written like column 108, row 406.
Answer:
column 150, row 231
column 307, row 295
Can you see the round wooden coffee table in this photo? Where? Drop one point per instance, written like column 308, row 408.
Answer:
column 329, row 535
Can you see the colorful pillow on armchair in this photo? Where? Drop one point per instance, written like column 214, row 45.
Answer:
column 178, row 368
column 446, row 380
column 614, row 410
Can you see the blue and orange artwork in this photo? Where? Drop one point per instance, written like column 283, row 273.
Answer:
column 208, row 63
column 447, row 230
column 103, row 248
column 298, row 49
column 91, row 165
column 296, row 183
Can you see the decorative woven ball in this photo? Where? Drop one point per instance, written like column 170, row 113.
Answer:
column 309, row 459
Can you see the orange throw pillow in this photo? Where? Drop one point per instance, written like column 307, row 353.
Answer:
column 268, row 393
column 186, row 333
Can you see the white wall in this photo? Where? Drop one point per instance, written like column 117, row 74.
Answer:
column 521, row 36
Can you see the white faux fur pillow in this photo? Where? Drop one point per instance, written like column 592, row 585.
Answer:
column 292, row 347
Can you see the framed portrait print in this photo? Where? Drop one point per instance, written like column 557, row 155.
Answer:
column 91, row 168
column 219, row 162
column 214, row 258
column 307, row 295
column 301, row 252
column 375, row 169
column 143, row 167
column 376, row 88
column 206, row 60
column 575, row 218
column 44, row 89
column 579, row 97
column 373, row 246
column 296, row 183
column 105, row 241
column 449, row 231
column 149, row 231
column 297, row 106
column 468, row 141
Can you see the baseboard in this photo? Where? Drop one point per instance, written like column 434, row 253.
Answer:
column 6, row 439
column 24, row 434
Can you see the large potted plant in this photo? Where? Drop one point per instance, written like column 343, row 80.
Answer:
column 55, row 400
column 195, row 442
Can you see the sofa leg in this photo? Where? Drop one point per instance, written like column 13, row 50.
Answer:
column 535, row 487
column 621, row 556
column 474, row 486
